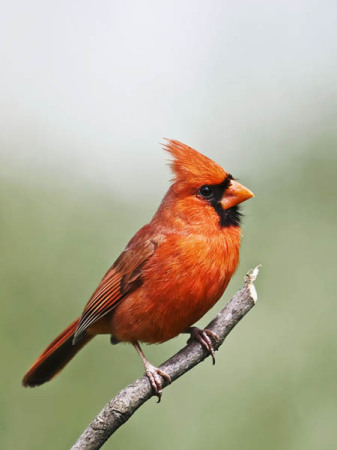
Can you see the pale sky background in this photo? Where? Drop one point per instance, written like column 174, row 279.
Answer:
column 88, row 89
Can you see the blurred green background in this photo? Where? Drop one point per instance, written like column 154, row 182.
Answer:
column 88, row 91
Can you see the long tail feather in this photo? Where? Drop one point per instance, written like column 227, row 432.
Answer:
column 55, row 357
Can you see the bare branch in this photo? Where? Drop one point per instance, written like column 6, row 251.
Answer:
column 127, row 401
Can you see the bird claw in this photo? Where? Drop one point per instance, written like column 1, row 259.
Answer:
column 154, row 375
column 203, row 337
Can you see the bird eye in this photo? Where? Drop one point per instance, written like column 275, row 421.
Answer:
column 206, row 191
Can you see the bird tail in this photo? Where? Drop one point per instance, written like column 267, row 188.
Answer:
column 55, row 356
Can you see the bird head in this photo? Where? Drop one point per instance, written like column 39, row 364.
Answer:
column 202, row 187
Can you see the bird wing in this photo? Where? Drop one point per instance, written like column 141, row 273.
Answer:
column 123, row 277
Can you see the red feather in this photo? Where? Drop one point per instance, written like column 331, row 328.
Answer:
column 171, row 272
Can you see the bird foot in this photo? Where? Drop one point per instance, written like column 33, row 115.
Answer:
column 154, row 375
column 204, row 337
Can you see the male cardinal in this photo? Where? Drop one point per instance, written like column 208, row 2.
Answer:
column 170, row 274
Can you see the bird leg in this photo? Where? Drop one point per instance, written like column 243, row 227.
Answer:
column 153, row 373
column 114, row 340
column 204, row 337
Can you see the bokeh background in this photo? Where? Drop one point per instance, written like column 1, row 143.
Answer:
column 88, row 90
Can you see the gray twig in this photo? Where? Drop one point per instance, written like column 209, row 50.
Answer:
column 127, row 401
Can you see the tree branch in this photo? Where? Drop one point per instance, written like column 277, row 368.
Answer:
column 127, row 401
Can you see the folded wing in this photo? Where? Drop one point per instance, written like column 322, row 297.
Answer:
column 121, row 279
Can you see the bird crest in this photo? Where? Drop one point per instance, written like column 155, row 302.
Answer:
column 191, row 167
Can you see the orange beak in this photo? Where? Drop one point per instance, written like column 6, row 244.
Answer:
column 235, row 193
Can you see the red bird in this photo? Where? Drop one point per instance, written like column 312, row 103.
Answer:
column 170, row 274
